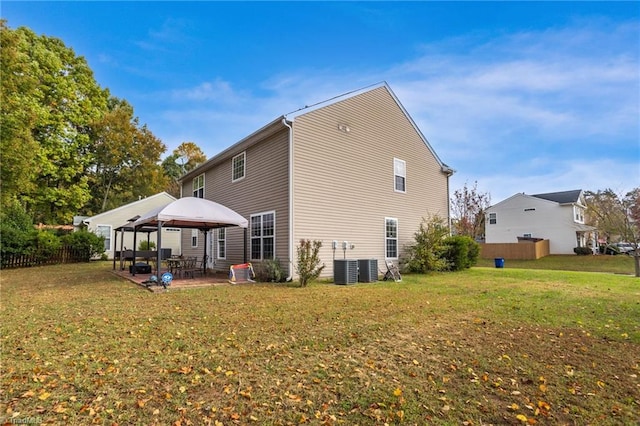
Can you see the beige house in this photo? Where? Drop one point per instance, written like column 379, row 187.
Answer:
column 354, row 172
column 105, row 224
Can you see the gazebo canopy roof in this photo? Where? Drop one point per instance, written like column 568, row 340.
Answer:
column 191, row 212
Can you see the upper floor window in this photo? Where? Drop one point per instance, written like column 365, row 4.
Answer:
column 263, row 235
column 400, row 175
column 493, row 219
column 198, row 186
column 238, row 166
column 391, row 238
column 578, row 214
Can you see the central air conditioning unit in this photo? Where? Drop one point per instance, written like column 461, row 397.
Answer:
column 345, row 271
column 368, row 270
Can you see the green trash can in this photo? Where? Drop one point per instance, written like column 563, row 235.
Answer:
column 499, row 261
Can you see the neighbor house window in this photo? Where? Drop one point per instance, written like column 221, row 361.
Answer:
column 222, row 243
column 194, row 238
column 391, row 238
column 492, row 219
column 578, row 214
column 400, row 175
column 105, row 231
column 198, row 186
column 263, row 236
column 238, row 167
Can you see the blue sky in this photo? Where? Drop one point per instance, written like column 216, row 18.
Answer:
column 520, row 97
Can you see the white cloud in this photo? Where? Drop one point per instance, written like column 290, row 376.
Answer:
column 533, row 111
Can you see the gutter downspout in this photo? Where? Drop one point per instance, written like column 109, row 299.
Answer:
column 448, row 171
column 285, row 122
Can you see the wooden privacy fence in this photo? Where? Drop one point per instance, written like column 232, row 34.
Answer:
column 521, row 250
column 65, row 254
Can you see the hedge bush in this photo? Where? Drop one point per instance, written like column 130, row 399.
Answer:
column 582, row 251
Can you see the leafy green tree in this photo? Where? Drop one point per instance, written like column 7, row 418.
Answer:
column 183, row 159
column 126, row 159
column 49, row 101
column 20, row 110
column 16, row 229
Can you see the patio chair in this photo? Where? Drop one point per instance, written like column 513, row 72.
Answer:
column 393, row 272
column 189, row 268
column 200, row 266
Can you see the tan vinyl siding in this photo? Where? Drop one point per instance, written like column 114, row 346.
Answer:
column 344, row 181
column 264, row 188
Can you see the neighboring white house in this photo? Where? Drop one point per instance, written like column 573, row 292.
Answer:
column 557, row 217
column 105, row 223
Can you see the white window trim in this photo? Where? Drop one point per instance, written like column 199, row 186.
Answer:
column 193, row 183
column 194, row 237
column 403, row 175
column 386, row 219
column 218, row 241
column 109, row 248
column 243, row 154
column 495, row 218
column 273, row 212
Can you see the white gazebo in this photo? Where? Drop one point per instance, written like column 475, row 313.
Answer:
column 188, row 212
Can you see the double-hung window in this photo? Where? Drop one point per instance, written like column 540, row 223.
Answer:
column 238, row 167
column 263, row 236
column 105, row 231
column 222, row 243
column 399, row 175
column 194, row 238
column 198, row 186
column 493, row 218
column 391, row 238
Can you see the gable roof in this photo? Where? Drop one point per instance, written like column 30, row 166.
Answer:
column 563, row 197
column 307, row 109
column 141, row 201
column 279, row 123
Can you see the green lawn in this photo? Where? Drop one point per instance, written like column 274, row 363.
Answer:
column 620, row 264
column 483, row 346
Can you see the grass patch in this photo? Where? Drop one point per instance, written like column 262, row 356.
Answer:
column 481, row 346
column 620, row 264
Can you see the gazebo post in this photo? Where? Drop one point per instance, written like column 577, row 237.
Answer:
column 245, row 246
column 133, row 262
column 121, row 249
column 115, row 247
column 158, row 253
column 204, row 264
